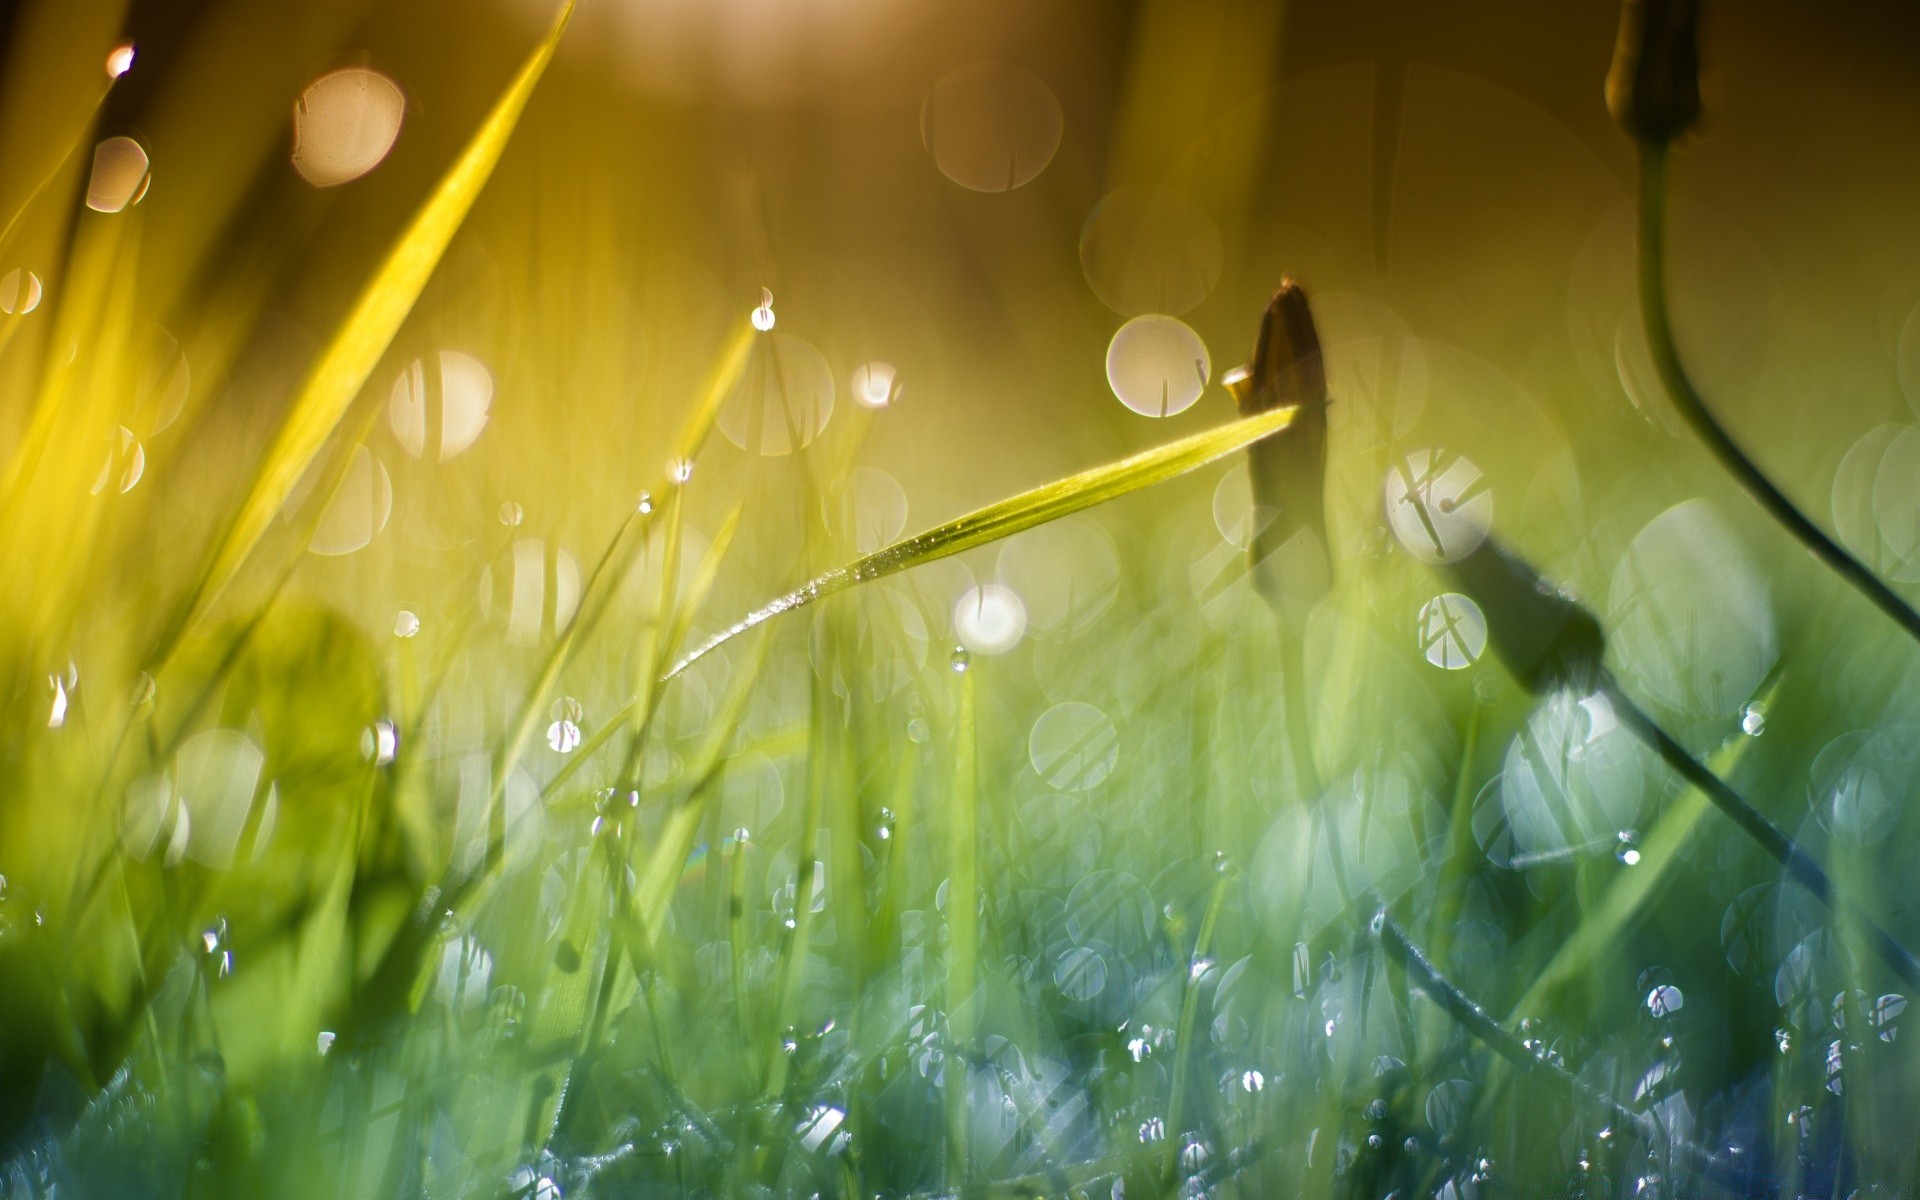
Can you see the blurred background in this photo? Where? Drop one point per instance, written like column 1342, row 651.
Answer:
column 984, row 245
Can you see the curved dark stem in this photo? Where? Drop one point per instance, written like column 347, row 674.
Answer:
column 1478, row 1023
column 1798, row 864
column 1686, row 399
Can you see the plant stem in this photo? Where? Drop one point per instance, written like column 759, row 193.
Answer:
column 1692, row 409
column 1800, row 865
column 1189, row 1009
column 1476, row 1021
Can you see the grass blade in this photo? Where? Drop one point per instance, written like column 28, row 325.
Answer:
column 356, row 346
column 963, row 931
column 1004, row 518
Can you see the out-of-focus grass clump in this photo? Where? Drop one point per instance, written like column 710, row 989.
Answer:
column 478, row 717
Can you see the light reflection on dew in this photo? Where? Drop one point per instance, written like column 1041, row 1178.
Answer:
column 511, row 514
column 126, row 463
column 121, row 175
column 1157, row 366
column 1150, row 250
column 1452, row 631
column 1860, row 782
column 1438, row 505
column 1692, row 625
column 1665, row 1000
column 405, row 624
column 466, row 973
column 1066, row 574
column 1080, row 973
column 215, row 776
column 1073, row 746
column 563, row 737
column 380, row 743
column 1573, row 778
column 19, row 292
column 344, row 124
column 120, row 60
column 1234, row 513
column 763, row 315
column 451, row 393
column 875, row 384
column 533, row 592
column 783, row 399
column 989, row 619
column 867, row 508
column 990, row 127
column 57, row 711
column 358, row 510
column 820, row 1131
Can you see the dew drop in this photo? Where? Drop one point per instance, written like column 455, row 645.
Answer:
column 763, row 315
column 405, row 624
column 511, row 514
column 961, row 658
column 563, row 737
column 120, row 60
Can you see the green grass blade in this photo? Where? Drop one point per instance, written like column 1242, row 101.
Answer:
column 1004, row 518
column 963, row 930
column 356, row 346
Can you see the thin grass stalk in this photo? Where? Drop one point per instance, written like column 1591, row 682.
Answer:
column 639, row 711
column 596, row 593
column 1183, row 1034
column 1688, row 402
column 963, row 928
column 737, row 937
column 793, row 956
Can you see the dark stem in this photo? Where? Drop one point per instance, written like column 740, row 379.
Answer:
column 1692, row 409
column 1799, row 865
column 1476, row 1021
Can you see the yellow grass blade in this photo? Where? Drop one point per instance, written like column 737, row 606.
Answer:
column 1004, row 518
column 369, row 328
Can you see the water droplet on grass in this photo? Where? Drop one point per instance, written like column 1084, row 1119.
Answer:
column 405, row 624
column 120, row 60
